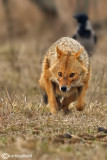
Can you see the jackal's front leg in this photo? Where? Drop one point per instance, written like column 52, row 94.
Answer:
column 51, row 96
column 80, row 101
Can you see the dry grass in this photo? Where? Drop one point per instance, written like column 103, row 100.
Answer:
column 27, row 128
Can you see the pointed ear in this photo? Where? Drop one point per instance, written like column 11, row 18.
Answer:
column 59, row 52
column 79, row 52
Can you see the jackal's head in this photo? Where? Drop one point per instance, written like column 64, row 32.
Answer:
column 68, row 71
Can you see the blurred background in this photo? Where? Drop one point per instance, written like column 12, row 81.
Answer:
column 29, row 27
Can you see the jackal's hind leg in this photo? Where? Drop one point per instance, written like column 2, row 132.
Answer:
column 66, row 101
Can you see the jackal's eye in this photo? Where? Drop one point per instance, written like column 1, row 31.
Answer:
column 72, row 74
column 60, row 74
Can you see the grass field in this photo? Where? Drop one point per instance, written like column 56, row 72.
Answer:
column 26, row 127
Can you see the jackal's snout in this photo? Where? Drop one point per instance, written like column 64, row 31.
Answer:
column 63, row 88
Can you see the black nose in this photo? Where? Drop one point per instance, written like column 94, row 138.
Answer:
column 64, row 88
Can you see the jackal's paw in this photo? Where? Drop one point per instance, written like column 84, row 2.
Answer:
column 80, row 107
column 54, row 110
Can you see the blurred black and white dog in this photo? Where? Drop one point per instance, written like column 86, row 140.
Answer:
column 85, row 33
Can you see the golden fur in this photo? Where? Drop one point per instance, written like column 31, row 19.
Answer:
column 66, row 63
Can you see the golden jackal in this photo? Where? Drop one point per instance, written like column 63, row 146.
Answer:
column 65, row 73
